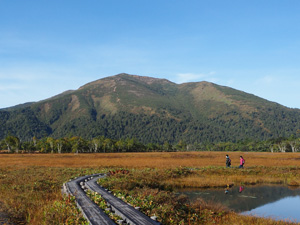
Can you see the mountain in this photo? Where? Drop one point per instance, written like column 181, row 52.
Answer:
column 20, row 106
column 152, row 110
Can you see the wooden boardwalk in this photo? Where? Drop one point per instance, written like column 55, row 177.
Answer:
column 93, row 213
column 90, row 210
column 129, row 214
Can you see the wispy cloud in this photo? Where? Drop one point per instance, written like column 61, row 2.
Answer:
column 194, row 77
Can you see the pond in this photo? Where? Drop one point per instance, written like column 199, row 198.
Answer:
column 277, row 202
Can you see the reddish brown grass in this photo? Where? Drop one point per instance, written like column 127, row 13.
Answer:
column 43, row 174
column 152, row 160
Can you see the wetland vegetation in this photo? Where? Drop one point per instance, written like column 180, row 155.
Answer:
column 30, row 183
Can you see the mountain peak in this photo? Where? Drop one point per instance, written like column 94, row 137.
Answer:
column 153, row 110
column 144, row 79
column 126, row 77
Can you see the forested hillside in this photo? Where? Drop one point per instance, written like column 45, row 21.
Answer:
column 152, row 111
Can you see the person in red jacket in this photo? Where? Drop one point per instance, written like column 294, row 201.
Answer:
column 242, row 162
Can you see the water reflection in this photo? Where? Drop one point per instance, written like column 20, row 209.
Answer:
column 266, row 201
column 284, row 209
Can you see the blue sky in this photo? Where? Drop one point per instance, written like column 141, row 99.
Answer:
column 47, row 47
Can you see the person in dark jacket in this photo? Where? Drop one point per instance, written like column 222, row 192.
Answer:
column 228, row 161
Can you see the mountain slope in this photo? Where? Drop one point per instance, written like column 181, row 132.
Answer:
column 153, row 110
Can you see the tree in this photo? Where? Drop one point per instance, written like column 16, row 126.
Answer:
column 272, row 148
column 12, row 143
column 167, row 146
column 17, row 144
column 3, row 145
column 90, row 145
column 120, row 144
column 59, row 144
column 34, row 139
column 51, row 142
column 106, row 144
column 181, row 145
column 96, row 142
column 293, row 143
column 129, row 144
column 77, row 144
column 43, row 146
column 152, row 146
column 282, row 146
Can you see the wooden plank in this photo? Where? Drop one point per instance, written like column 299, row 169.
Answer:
column 91, row 211
column 131, row 215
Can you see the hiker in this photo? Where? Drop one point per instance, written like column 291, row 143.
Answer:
column 242, row 162
column 241, row 189
column 228, row 161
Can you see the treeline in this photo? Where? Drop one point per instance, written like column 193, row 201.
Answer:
column 167, row 123
column 75, row 144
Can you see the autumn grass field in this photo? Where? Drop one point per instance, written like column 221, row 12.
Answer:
column 30, row 183
column 150, row 160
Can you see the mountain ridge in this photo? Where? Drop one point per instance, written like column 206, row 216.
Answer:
column 152, row 110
